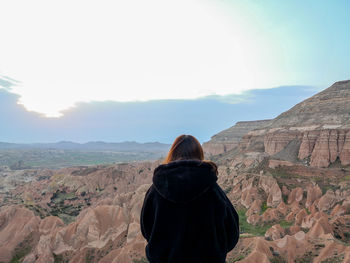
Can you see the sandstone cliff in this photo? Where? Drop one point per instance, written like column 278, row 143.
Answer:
column 315, row 132
column 230, row 138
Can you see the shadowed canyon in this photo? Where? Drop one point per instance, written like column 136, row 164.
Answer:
column 288, row 177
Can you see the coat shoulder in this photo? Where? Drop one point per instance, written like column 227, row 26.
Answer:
column 220, row 193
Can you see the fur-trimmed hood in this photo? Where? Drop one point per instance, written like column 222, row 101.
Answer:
column 185, row 180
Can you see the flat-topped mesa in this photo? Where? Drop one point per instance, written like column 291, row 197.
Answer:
column 230, row 138
column 315, row 131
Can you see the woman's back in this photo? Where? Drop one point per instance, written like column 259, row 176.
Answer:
column 186, row 217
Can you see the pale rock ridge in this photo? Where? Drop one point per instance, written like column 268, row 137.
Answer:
column 275, row 232
column 313, row 192
column 315, row 132
column 230, row 138
column 320, row 124
column 17, row 225
column 329, row 108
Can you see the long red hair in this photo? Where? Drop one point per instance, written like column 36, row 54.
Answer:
column 186, row 147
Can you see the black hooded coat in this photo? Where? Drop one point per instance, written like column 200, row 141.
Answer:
column 186, row 217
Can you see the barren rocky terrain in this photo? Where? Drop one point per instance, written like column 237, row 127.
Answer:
column 289, row 179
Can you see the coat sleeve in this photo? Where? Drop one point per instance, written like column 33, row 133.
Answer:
column 231, row 222
column 147, row 214
column 232, row 226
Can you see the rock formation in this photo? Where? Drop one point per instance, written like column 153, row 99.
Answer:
column 19, row 231
column 315, row 132
column 226, row 140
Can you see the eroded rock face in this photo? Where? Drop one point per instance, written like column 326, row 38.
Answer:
column 50, row 224
column 320, row 227
column 296, row 195
column 321, row 124
column 275, row 142
column 327, row 201
column 345, row 151
column 249, row 196
column 271, row 188
column 319, row 147
column 341, row 228
column 230, row 138
column 259, row 250
column 271, row 215
column 275, row 232
column 333, row 252
column 307, row 144
column 109, row 232
column 313, row 193
column 300, row 216
column 327, row 148
column 292, row 246
column 315, row 132
column 19, row 229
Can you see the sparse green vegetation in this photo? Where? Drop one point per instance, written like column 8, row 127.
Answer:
column 58, row 258
column 335, row 259
column 263, row 207
column 258, row 230
column 346, row 178
column 142, row 260
column 277, row 259
column 327, row 187
column 306, row 258
column 235, row 259
column 21, row 250
column 89, row 257
column 285, row 198
column 60, row 196
column 228, row 189
column 285, row 223
column 38, row 210
column 245, row 227
column 58, row 208
column 281, row 173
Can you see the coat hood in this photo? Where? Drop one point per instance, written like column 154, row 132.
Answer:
column 185, row 180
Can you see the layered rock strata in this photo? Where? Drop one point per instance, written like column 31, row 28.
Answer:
column 315, row 132
column 230, row 138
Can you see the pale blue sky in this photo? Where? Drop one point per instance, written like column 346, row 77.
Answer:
column 312, row 38
column 67, row 52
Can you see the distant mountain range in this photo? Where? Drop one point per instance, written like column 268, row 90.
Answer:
column 91, row 146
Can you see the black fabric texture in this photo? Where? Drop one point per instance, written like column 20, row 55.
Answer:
column 186, row 217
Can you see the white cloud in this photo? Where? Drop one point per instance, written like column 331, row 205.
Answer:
column 65, row 51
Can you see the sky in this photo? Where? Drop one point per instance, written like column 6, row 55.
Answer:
column 61, row 53
column 60, row 60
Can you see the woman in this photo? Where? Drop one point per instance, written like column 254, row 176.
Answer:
column 186, row 217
